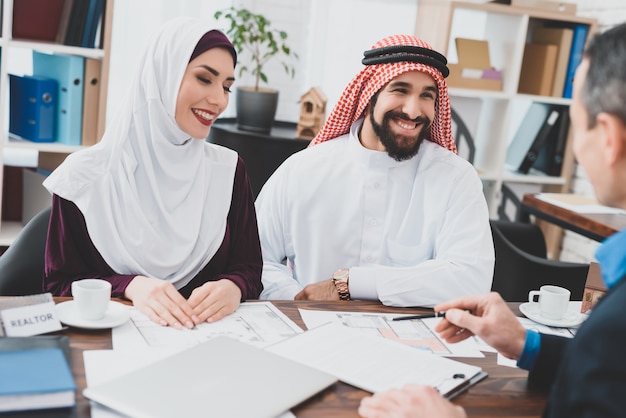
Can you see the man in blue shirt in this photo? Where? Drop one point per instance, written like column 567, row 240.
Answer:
column 586, row 375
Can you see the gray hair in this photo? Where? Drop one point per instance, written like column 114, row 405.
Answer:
column 604, row 89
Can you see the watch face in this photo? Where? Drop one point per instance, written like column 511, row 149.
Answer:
column 341, row 273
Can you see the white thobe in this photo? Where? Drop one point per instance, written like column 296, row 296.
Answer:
column 413, row 233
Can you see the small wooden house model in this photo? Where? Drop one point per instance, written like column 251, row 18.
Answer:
column 312, row 113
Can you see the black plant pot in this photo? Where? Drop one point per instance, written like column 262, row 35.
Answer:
column 256, row 110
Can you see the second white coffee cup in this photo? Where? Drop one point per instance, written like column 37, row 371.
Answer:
column 553, row 301
column 92, row 298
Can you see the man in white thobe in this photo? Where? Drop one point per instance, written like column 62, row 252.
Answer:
column 380, row 206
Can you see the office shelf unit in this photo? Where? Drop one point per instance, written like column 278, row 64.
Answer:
column 10, row 229
column 494, row 116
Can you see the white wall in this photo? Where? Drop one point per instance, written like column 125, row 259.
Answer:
column 133, row 23
column 328, row 35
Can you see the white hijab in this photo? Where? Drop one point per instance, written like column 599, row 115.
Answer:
column 155, row 200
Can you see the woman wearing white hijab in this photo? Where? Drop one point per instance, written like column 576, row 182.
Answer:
column 153, row 208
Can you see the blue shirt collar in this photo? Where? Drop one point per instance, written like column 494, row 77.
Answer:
column 612, row 258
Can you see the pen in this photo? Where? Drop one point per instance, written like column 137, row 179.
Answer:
column 421, row 316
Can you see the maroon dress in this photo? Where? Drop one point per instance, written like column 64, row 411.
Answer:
column 71, row 255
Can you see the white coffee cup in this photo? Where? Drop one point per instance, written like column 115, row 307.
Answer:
column 92, row 298
column 553, row 301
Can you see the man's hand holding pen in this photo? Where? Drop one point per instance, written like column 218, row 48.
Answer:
column 486, row 316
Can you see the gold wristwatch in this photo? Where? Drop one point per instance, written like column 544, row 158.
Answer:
column 340, row 279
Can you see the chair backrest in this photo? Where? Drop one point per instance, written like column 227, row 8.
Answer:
column 525, row 236
column 462, row 137
column 22, row 264
column 517, row 272
column 510, row 208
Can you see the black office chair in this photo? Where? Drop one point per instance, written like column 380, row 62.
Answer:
column 510, row 208
column 521, row 263
column 462, row 137
column 22, row 264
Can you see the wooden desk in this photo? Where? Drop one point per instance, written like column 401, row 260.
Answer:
column 596, row 226
column 502, row 394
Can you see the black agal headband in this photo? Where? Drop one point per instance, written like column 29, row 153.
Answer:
column 400, row 53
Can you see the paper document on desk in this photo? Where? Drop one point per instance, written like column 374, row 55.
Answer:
column 577, row 203
column 372, row 363
column 418, row 334
column 257, row 323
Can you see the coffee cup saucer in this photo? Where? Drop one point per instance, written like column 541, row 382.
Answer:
column 571, row 319
column 116, row 314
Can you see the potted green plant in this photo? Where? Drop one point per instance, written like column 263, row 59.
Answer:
column 254, row 38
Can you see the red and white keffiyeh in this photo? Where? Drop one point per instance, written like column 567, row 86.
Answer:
column 358, row 93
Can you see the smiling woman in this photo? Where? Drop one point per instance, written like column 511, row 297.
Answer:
column 164, row 216
column 204, row 91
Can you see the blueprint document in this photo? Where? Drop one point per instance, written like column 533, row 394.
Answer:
column 417, row 333
column 257, row 323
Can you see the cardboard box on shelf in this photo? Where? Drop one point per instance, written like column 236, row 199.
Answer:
column 474, row 70
column 538, row 66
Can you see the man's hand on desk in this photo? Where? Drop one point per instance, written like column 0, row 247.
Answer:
column 325, row 290
column 489, row 318
column 412, row 401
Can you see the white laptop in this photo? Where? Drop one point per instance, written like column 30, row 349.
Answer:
column 222, row 377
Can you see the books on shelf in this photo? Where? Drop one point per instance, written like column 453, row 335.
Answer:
column 64, row 21
column 538, row 65
column 93, row 16
column 76, row 23
column 579, row 39
column 68, row 70
column 83, row 22
column 535, row 129
column 68, row 22
column 562, row 38
column 576, row 56
column 550, row 157
column 37, row 20
column 36, row 373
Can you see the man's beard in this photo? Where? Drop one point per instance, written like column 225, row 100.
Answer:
column 399, row 147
